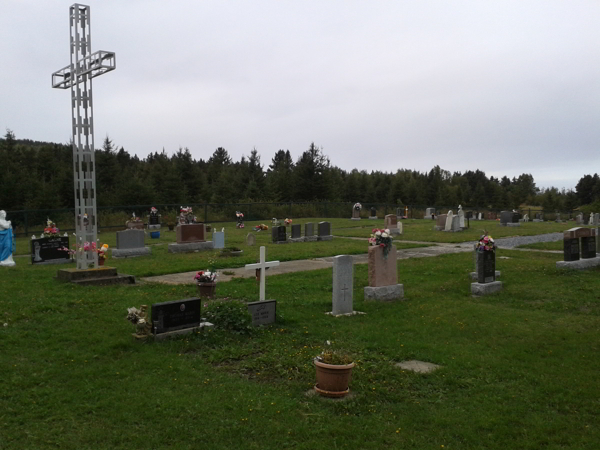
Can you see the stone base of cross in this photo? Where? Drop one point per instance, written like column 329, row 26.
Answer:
column 261, row 267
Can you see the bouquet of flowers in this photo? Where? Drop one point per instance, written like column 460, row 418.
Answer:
column 205, row 276
column 240, row 219
column 139, row 318
column 486, row 244
column 51, row 229
column 260, row 227
column 134, row 218
column 287, row 221
column 383, row 239
column 357, row 206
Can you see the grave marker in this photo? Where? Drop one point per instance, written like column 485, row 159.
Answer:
column 324, row 231
column 263, row 311
column 343, row 279
column 130, row 243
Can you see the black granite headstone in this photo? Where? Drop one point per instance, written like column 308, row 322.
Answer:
column 588, row 247
column 296, row 231
column 571, row 249
column 324, row 228
column 486, row 267
column 46, row 250
column 154, row 219
column 281, row 233
column 176, row 315
column 373, row 212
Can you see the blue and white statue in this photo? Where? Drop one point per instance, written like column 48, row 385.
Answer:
column 6, row 241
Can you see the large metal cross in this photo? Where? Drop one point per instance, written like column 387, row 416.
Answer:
column 78, row 75
column 262, row 265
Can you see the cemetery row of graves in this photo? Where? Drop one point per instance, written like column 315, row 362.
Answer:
column 525, row 354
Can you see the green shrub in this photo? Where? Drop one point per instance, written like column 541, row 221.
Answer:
column 231, row 315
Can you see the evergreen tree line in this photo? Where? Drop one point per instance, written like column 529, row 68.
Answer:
column 39, row 175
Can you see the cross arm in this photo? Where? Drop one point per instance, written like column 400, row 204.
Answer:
column 95, row 64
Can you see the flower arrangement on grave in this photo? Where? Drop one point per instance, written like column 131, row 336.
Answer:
column 287, row 221
column 240, row 219
column 134, row 218
column 51, row 229
column 333, row 372
column 139, row 317
column 260, row 227
column 381, row 238
column 205, row 276
column 486, row 244
column 357, row 206
column 186, row 215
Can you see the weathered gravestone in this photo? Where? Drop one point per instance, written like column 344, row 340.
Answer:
column 579, row 219
column 343, row 279
column 130, row 243
column 461, row 218
column 429, row 213
column 250, row 239
column 309, row 232
column 383, row 275
column 297, row 233
column 324, row 232
column 573, row 250
column 177, row 317
column 218, row 238
column 263, row 311
column 279, row 234
column 355, row 213
column 391, row 223
column 440, row 224
column 449, row 219
column 47, row 250
column 190, row 237
column 480, row 216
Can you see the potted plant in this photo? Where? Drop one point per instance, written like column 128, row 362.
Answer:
column 206, row 282
column 334, row 371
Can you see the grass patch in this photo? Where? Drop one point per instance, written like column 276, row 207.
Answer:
column 557, row 245
column 519, row 368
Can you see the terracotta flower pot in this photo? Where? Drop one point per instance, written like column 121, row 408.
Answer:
column 206, row 289
column 333, row 380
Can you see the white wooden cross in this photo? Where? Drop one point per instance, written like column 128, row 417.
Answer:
column 262, row 265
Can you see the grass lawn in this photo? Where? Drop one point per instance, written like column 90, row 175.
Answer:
column 557, row 245
column 519, row 368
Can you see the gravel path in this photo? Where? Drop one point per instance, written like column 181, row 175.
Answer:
column 512, row 242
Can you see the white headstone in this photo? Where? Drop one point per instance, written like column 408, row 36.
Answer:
column 218, row 238
column 480, row 216
column 399, row 227
column 461, row 217
column 449, row 221
column 250, row 239
column 343, row 278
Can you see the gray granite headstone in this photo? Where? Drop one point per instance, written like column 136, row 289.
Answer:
column 309, row 229
column 262, row 312
column 250, row 239
column 130, row 239
column 343, row 277
column 218, row 239
column 296, row 231
column 324, row 229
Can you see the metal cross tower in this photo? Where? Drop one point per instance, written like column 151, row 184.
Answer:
column 78, row 76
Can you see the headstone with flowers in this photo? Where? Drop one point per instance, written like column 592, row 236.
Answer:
column 48, row 248
column 190, row 235
column 486, row 267
column 240, row 219
column 154, row 223
column 130, row 243
column 356, row 211
column 383, row 274
column 135, row 222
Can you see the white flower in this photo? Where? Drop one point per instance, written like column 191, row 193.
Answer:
column 378, row 233
column 384, row 235
column 5, row 324
column 387, row 230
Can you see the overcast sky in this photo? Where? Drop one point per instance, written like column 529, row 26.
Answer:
column 507, row 87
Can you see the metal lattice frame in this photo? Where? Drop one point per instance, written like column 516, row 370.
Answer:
column 78, row 76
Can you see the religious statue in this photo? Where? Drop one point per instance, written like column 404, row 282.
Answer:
column 6, row 241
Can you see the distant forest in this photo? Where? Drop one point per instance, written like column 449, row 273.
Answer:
column 39, row 175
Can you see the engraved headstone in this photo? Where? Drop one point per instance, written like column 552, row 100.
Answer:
column 47, row 250
column 449, row 219
column 383, row 275
column 263, row 313
column 176, row 315
column 486, row 267
column 250, row 239
column 130, row 243
column 296, row 231
column 324, row 231
column 343, row 278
